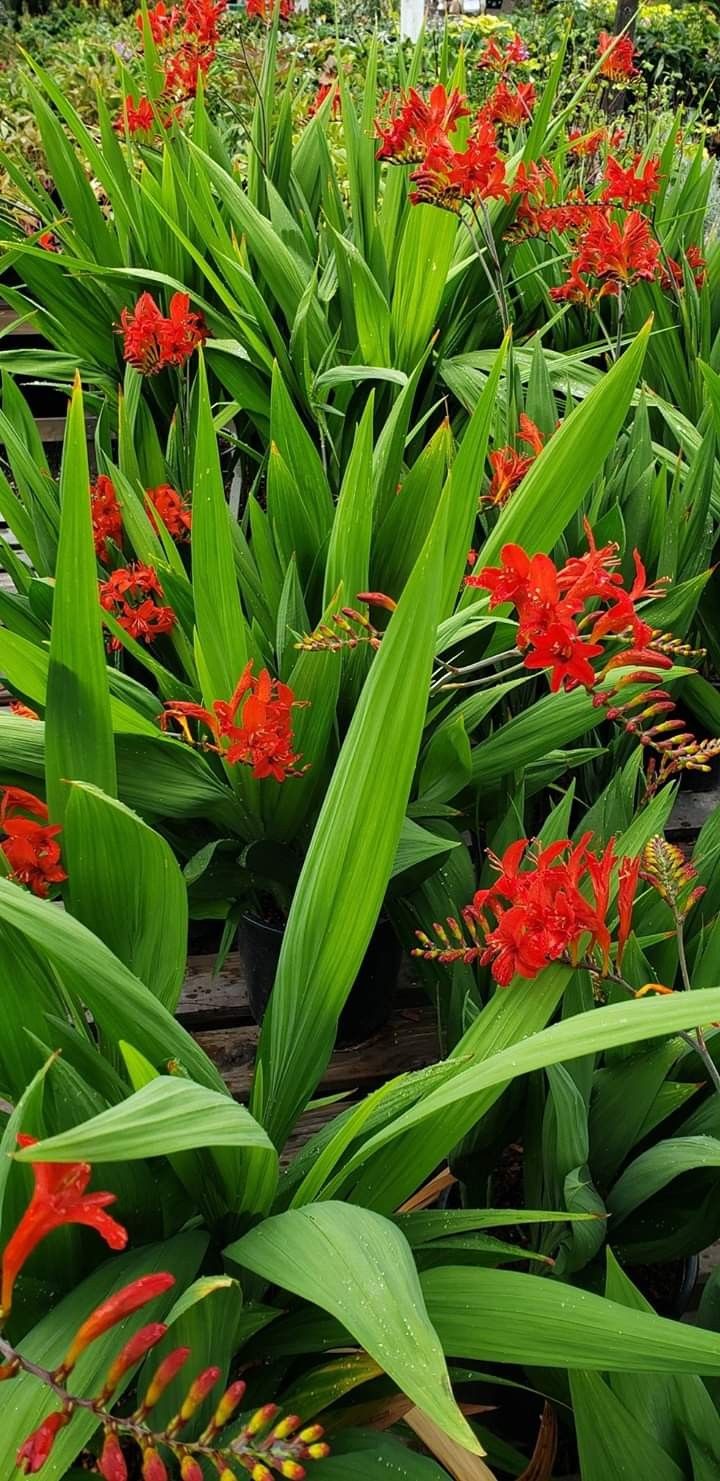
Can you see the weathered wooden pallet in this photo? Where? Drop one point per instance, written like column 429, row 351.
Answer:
column 214, row 1009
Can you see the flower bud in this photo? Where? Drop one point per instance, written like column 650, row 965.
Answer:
column 164, row 1375
column 313, row 1432
column 132, row 1352
column 153, row 1467
column 197, row 1392
column 261, row 1418
column 34, row 1451
column 287, row 1426
column 292, row 1470
column 190, row 1470
column 111, row 1465
column 121, row 1304
column 228, row 1404
column 318, row 1452
column 260, row 1473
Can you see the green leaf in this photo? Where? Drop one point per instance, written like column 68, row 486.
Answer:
column 130, row 890
column 657, row 1167
column 359, row 1267
column 507, row 1317
column 79, row 742
column 350, row 857
column 612, row 1444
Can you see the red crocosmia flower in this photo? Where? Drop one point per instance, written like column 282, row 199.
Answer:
column 577, row 289
column 566, row 655
column 201, row 20
column 493, row 59
column 585, row 145
column 106, row 516
column 415, row 126
column 181, row 332
column 184, row 69
column 152, row 340
column 672, row 274
column 265, row 9
column 509, row 467
column 173, row 511
column 163, row 22
column 621, row 252
column 34, row 1452
column 115, row 1309
column 129, row 595
column 49, row 242
column 31, row 848
column 634, row 186
column 533, row 180
column 326, row 90
column 618, row 57
column 136, row 1348
column 112, row 1465
column 59, row 1197
column 448, row 177
column 512, row 106
column 135, row 118
column 554, row 910
column 253, row 727
column 22, row 711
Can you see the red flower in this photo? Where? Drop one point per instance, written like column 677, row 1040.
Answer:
column 577, row 289
column 511, row 107
column 618, row 54
column 152, row 340
column 129, row 595
column 202, row 18
column 18, row 708
column 163, row 22
column 106, row 516
column 561, row 650
column 256, row 722
column 116, row 1308
column 111, row 1463
column 34, row 1452
column 415, row 126
column 135, row 118
column 447, row 178
column 585, row 145
column 30, row 848
column 621, row 252
column 326, row 90
column 627, row 186
column 59, row 1197
column 265, row 9
column 48, row 241
column 493, row 59
column 184, row 69
column 173, row 510
column 672, row 274
column 509, row 467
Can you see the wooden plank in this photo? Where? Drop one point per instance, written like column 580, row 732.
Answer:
column 408, row 1042
column 690, row 812
column 12, row 323
column 209, row 1001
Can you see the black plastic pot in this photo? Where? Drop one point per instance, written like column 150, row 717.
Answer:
column 372, row 994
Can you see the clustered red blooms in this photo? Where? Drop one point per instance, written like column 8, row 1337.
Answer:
column 414, row 126
column 418, row 132
column 253, row 727
column 586, row 145
column 172, row 509
column 511, row 106
column 510, row 466
column 494, row 59
column 618, row 57
column 59, row 1199
column 129, row 595
column 264, row 10
column 326, row 90
column 634, row 185
column 556, row 910
column 30, row 847
column 555, row 630
column 153, row 340
column 106, row 516
column 672, row 275
column 187, row 39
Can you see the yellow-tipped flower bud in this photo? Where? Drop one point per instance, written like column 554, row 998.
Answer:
column 261, row 1418
column 287, row 1426
column 318, row 1452
column 313, row 1432
column 292, row 1470
column 260, row 1473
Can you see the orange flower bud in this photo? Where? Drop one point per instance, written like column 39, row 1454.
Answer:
column 190, row 1470
column 123, row 1303
column 313, row 1432
column 261, row 1418
column 260, row 1473
column 287, row 1426
column 164, row 1375
column 34, row 1451
column 111, row 1465
column 153, row 1466
column 228, row 1404
column 197, row 1392
column 133, row 1351
column 292, row 1470
column 377, row 599
column 318, row 1452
